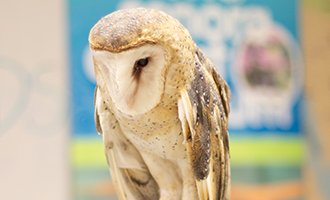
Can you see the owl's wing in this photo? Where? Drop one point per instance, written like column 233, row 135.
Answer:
column 203, row 112
column 128, row 170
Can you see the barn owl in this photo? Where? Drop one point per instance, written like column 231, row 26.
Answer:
column 161, row 107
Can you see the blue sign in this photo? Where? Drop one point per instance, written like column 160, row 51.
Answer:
column 254, row 44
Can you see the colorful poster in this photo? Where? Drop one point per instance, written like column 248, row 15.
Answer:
column 255, row 45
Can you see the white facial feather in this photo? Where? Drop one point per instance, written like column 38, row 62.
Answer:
column 133, row 95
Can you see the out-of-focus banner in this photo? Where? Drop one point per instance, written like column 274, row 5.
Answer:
column 255, row 45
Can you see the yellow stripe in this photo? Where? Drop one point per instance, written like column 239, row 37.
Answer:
column 89, row 152
column 267, row 151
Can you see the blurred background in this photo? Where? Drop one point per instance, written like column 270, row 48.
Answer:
column 275, row 55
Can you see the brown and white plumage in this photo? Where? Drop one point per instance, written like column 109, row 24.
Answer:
column 161, row 107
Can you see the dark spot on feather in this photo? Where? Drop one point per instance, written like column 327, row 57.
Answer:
column 200, row 55
column 123, row 145
column 110, row 145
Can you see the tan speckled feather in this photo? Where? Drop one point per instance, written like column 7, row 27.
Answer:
column 206, row 112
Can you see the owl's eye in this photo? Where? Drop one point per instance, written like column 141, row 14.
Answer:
column 138, row 66
column 142, row 62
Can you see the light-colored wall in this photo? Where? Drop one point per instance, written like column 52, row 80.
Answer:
column 34, row 151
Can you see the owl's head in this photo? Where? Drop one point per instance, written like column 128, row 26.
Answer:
column 132, row 51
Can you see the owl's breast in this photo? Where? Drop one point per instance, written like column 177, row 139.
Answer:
column 157, row 132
